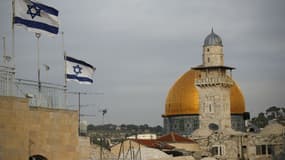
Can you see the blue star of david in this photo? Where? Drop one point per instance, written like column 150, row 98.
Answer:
column 77, row 69
column 33, row 10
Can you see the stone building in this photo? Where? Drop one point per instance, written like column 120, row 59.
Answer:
column 228, row 144
column 205, row 94
column 206, row 105
column 46, row 133
column 35, row 124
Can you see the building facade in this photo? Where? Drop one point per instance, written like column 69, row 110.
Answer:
column 206, row 105
column 37, row 132
column 205, row 94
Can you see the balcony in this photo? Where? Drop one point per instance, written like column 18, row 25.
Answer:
column 214, row 81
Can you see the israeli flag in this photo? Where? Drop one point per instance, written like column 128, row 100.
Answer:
column 79, row 71
column 36, row 17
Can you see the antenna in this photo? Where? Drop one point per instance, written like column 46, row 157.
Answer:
column 104, row 111
column 80, row 105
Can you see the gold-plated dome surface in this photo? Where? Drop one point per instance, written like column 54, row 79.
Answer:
column 183, row 97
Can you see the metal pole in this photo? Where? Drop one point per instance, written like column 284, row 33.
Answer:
column 13, row 33
column 38, row 35
column 4, row 50
column 7, row 72
column 79, row 113
column 101, row 148
column 65, row 81
column 103, row 120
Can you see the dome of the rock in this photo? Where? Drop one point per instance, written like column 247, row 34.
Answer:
column 183, row 97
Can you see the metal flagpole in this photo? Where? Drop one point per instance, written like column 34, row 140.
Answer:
column 38, row 35
column 4, row 51
column 79, row 113
column 13, row 33
column 12, row 80
column 65, row 81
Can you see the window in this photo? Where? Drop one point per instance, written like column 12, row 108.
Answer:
column 208, row 59
column 218, row 150
column 215, row 150
column 195, row 124
column 208, row 49
column 238, row 125
column 181, row 125
column 210, row 108
column 260, row 149
column 244, row 149
column 269, row 149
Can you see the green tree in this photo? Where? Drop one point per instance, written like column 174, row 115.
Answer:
column 260, row 121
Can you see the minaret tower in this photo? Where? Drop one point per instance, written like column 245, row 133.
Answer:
column 213, row 83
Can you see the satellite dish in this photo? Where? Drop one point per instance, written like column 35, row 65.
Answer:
column 213, row 127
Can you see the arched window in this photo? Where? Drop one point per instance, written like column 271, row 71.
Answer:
column 37, row 157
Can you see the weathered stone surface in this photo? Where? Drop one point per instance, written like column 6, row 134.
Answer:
column 26, row 131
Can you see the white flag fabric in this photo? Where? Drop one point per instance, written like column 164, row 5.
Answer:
column 36, row 17
column 79, row 71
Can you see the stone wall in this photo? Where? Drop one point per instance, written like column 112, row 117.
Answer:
column 14, row 131
column 26, row 131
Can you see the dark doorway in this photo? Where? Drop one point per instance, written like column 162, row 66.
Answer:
column 37, row 157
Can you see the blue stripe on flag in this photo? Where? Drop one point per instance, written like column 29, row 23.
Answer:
column 78, row 61
column 37, row 25
column 46, row 8
column 81, row 79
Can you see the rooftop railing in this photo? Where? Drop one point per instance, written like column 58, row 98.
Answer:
column 47, row 95
column 50, row 95
column 7, row 75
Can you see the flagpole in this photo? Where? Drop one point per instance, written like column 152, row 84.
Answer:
column 38, row 35
column 65, row 81
column 13, row 65
column 13, row 33
column 4, row 51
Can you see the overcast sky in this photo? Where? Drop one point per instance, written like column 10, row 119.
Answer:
column 140, row 47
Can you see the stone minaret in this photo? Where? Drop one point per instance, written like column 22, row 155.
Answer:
column 213, row 84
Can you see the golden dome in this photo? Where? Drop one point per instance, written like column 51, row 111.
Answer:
column 183, row 98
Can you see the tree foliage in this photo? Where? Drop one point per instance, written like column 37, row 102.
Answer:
column 271, row 113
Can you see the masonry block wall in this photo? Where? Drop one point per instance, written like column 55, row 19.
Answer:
column 26, row 131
